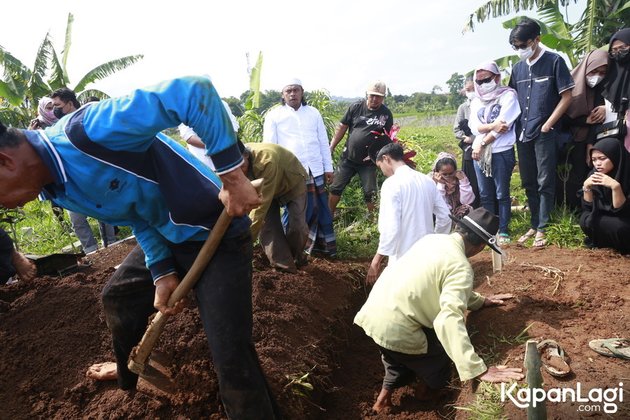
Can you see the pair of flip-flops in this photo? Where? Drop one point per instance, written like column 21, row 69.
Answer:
column 553, row 358
column 612, row 347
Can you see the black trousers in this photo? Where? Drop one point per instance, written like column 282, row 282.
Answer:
column 224, row 296
column 6, row 252
column 433, row 367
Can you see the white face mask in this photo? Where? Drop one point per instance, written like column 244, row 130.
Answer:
column 470, row 95
column 592, row 81
column 487, row 87
column 526, row 53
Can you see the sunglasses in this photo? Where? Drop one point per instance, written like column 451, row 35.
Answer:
column 482, row 81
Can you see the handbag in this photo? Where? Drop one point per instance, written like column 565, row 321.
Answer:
column 616, row 129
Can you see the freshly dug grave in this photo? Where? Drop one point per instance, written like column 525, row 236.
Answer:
column 52, row 329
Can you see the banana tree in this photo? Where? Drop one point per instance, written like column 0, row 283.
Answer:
column 598, row 21
column 21, row 86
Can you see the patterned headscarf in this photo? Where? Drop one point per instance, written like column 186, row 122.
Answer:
column 45, row 116
column 451, row 185
column 492, row 67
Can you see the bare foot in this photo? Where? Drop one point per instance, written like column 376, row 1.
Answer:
column 383, row 401
column 102, row 372
column 25, row 268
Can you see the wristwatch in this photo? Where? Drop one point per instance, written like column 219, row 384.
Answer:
column 483, row 143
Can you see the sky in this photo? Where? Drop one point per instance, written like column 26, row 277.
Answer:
column 337, row 45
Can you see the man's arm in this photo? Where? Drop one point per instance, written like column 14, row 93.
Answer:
column 129, row 123
column 374, row 268
column 389, row 217
column 558, row 112
column 450, row 325
column 339, row 133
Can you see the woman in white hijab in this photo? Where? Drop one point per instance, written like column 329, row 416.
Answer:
column 492, row 115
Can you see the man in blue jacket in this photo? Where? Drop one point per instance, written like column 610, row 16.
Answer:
column 109, row 160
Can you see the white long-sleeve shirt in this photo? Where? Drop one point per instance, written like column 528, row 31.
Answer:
column 303, row 133
column 409, row 199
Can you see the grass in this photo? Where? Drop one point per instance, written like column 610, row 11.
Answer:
column 36, row 230
column 487, row 404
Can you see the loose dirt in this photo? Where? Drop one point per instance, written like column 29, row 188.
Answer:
column 53, row 329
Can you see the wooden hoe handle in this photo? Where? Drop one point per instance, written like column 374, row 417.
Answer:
column 140, row 354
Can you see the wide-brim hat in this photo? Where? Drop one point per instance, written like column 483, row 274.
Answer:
column 483, row 223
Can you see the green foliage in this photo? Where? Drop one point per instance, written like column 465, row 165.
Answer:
column 427, row 143
column 357, row 235
column 300, row 385
column 455, row 86
column 321, row 100
column 40, row 232
column 598, row 20
column 251, row 126
column 22, row 87
column 564, row 229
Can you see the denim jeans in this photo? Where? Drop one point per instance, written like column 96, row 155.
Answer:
column 494, row 191
column 224, row 297
column 83, row 231
column 537, row 165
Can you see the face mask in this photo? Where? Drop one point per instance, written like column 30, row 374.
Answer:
column 487, row 87
column 592, row 81
column 525, row 53
column 622, row 56
column 470, row 95
column 50, row 115
column 58, row 112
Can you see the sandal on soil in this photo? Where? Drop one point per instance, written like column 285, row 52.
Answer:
column 529, row 234
column 612, row 347
column 553, row 358
column 504, row 239
column 540, row 241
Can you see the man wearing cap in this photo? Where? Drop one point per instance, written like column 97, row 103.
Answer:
column 415, row 311
column 284, row 185
column 366, row 120
column 409, row 200
column 300, row 128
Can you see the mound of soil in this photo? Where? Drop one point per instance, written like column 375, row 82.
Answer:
column 318, row 364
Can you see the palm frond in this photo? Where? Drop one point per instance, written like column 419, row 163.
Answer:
column 14, row 116
column 13, row 68
column 36, row 85
column 498, row 8
column 58, row 77
column 11, row 92
column 83, row 96
column 107, row 69
column 67, row 42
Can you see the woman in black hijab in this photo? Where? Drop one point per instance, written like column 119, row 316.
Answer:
column 605, row 216
column 617, row 83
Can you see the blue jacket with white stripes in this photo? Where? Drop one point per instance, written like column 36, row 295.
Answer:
column 111, row 161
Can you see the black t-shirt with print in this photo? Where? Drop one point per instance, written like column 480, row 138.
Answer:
column 361, row 121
